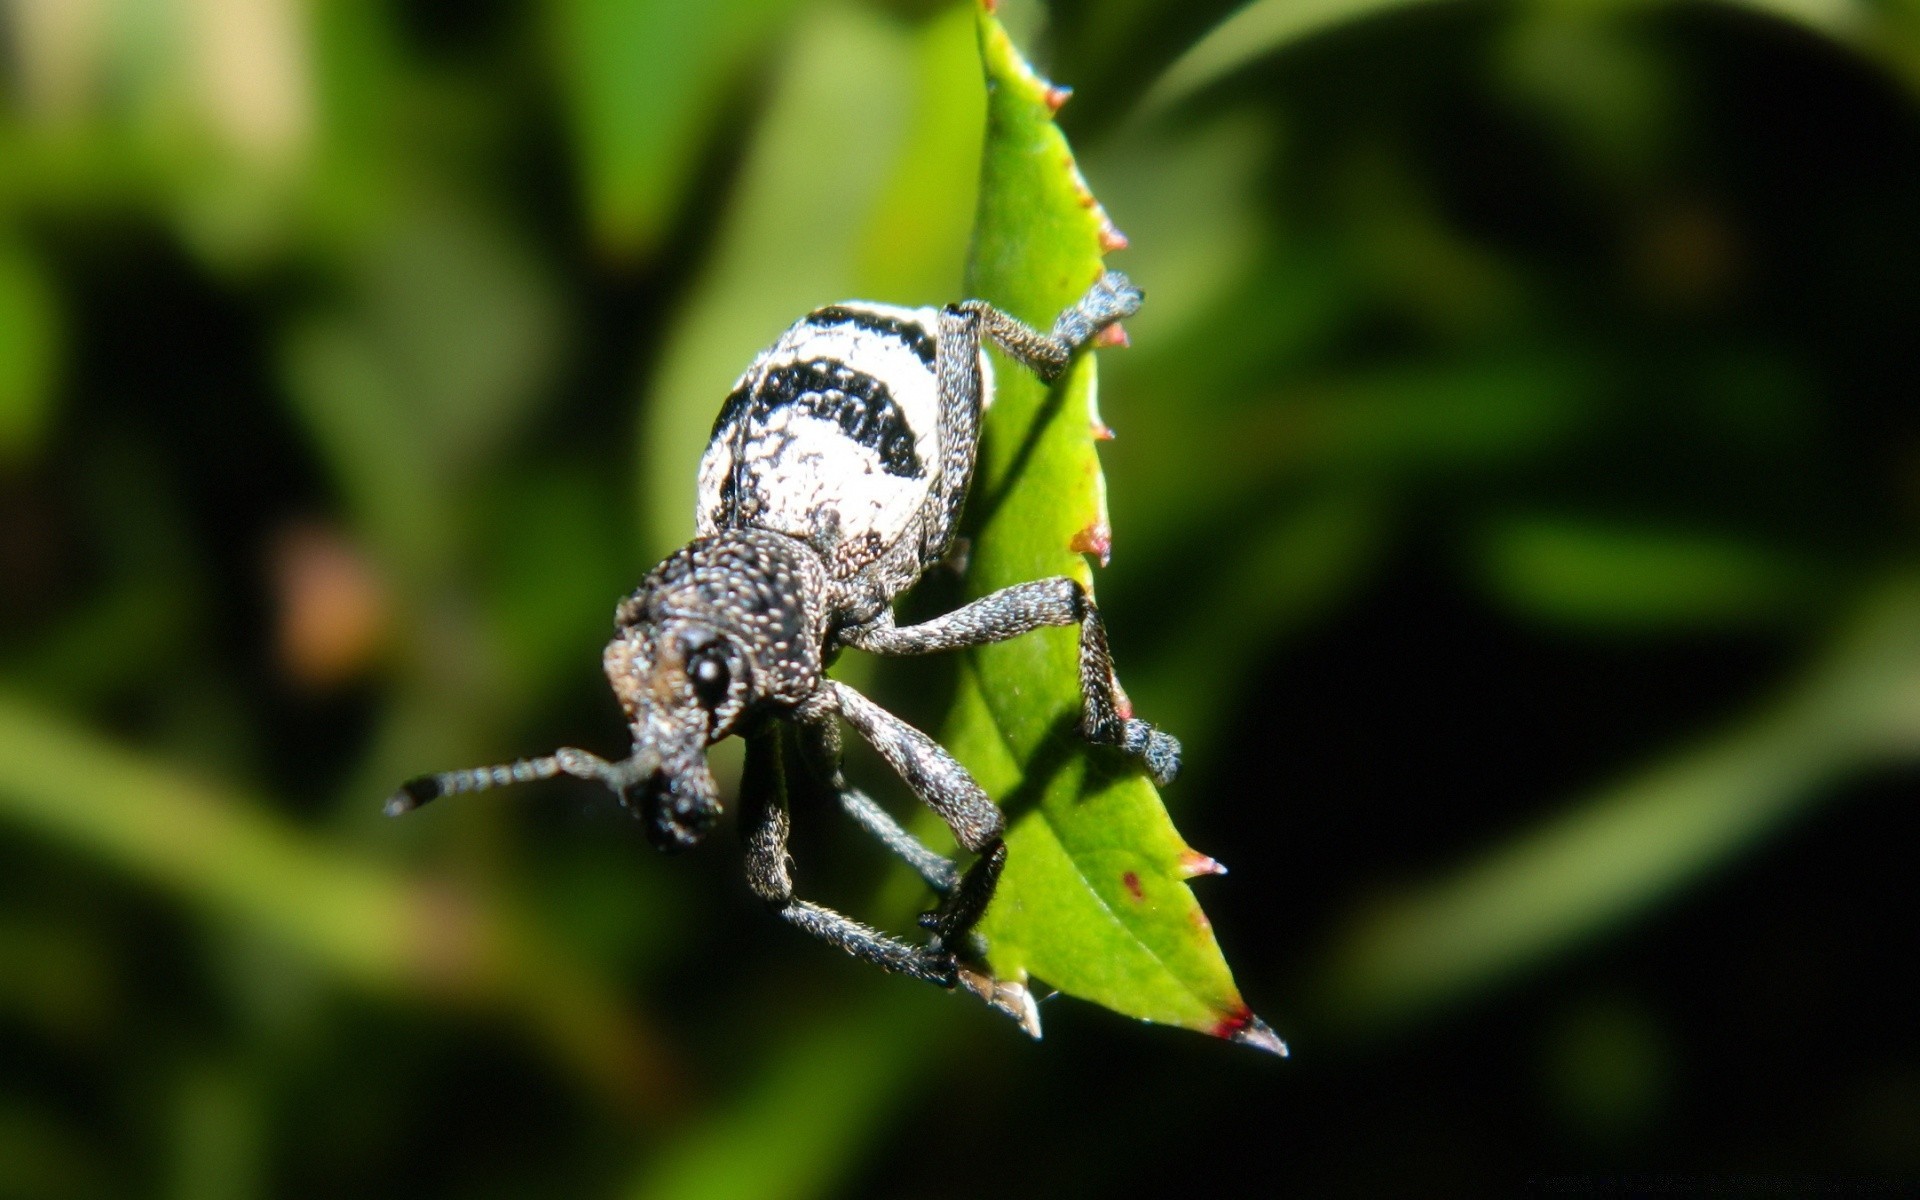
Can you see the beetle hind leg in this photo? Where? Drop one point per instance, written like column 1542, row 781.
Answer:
column 1111, row 298
column 764, row 824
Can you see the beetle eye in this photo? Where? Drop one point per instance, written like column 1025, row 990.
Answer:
column 710, row 678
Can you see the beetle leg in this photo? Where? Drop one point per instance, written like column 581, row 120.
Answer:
column 939, row 779
column 764, row 823
column 820, row 744
column 1106, row 717
column 962, row 385
column 1111, row 298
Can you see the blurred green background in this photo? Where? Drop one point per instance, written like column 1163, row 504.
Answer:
column 1514, row 495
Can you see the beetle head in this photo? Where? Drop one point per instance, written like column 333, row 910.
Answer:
column 713, row 634
column 684, row 685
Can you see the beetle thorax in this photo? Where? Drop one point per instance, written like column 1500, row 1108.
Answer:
column 762, row 595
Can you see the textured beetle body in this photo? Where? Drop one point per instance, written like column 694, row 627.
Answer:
column 834, row 478
column 835, row 437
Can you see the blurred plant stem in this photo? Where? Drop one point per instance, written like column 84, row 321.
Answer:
column 369, row 926
column 819, row 1099
column 1599, row 864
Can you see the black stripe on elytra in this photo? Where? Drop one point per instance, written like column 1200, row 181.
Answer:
column 858, row 403
column 911, row 334
column 727, row 425
column 730, row 410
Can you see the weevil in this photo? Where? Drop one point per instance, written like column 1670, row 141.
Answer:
column 835, row 477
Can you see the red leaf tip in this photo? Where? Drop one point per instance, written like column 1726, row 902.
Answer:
column 1111, row 239
column 1057, row 96
column 1244, row 1029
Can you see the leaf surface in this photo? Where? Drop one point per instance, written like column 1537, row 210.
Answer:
column 1094, row 899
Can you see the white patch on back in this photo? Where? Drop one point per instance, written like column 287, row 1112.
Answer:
column 799, row 473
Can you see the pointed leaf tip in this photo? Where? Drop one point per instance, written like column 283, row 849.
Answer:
column 1245, row 1029
column 1194, row 864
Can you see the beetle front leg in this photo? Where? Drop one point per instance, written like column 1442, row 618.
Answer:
column 1106, row 717
column 764, row 824
column 939, row 779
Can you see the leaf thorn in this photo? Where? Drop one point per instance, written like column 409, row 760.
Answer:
column 1096, row 539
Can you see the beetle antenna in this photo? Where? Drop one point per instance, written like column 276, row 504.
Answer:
column 564, row 761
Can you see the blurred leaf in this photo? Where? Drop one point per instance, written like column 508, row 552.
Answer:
column 365, row 924
column 1609, row 1067
column 1619, row 854
column 797, row 235
column 359, row 164
column 555, row 556
column 1598, row 576
column 355, row 412
column 219, row 1135
column 1255, row 31
column 1200, row 190
column 1094, row 898
column 467, row 320
column 47, row 1160
column 814, row 1106
column 1595, row 74
column 413, row 384
column 58, row 980
column 915, row 241
column 1283, row 574
column 1392, row 429
column 1265, row 27
column 30, row 336
column 645, row 81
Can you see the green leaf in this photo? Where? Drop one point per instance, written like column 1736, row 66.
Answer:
column 1587, row 869
column 1251, row 33
column 29, row 354
column 1265, row 27
column 1094, row 899
column 356, row 921
column 644, row 82
column 1591, row 575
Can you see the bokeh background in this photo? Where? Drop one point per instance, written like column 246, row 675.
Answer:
column 1515, row 493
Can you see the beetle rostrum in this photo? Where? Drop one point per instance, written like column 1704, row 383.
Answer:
column 834, row 478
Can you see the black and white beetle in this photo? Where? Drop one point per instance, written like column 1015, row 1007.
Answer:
column 834, row 478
